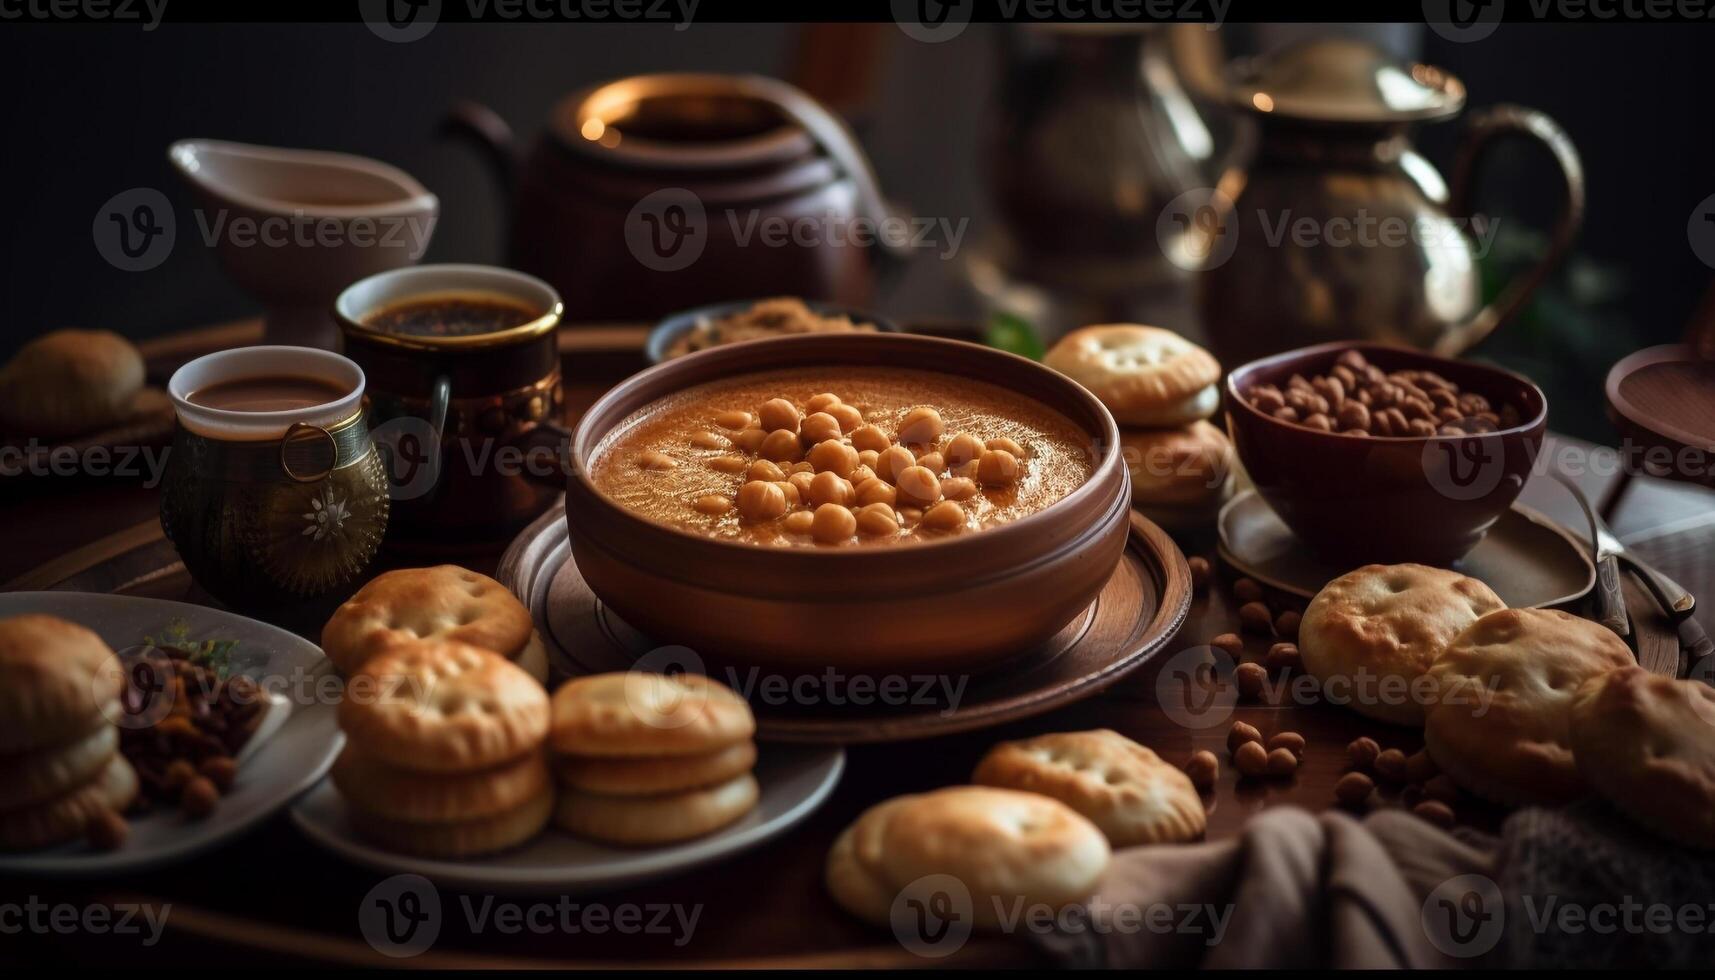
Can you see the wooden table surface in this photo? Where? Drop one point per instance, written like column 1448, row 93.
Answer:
column 273, row 890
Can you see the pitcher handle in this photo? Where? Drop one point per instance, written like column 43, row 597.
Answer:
column 1485, row 129
column 482, row 127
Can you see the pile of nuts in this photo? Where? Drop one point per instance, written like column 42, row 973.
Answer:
column 1424, row 789
column 1356, row 398
column 187, row 756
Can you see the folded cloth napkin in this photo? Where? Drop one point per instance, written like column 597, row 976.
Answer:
column 1294, row 889
column 1584, row 888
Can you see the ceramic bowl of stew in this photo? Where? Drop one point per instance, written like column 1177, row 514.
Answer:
column 745, row 584
column 1356, row 499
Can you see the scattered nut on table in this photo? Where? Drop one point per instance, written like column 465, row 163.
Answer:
column 1281, row 762
column 1363, row 752
column 1436, row 812
column 1251, row 679
column 1229, row 643
column 1247, row 590
column 1287, row 624
column 1390, row 765
column 1242, row 734
column 1255, row 617
column 1251, row 759
column 1283, row 656
column 1204, row 767
column 1290, row 741
column 1353, row 789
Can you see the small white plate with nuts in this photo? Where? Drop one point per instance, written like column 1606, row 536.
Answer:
column 224, row 719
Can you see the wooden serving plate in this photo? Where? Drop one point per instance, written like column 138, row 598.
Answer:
column 1133, row 618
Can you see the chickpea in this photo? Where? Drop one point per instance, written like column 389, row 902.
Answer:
column 958, row 488
column 893, row 462
column 833, row 457
column 778, row 413
column 798, row 522
column 877, row 519
column 1006, row 445
column 759, row 500
column 849, row 416
column 728, row 464
column 932, row 462
column 655, row 461
column 781, row 446
column 832, row 524
column 734, row 419
column 802, row 467
column 762, row 469
column 918, row 485
column 997, row 468
column 709, row 440
column 790, row 492
column 870, row 437
column 822, row 402
column 828, row 487
column 944, row 516
column 876, row 491
column 712, row 504
column 962, row 448
column 869, row 457
column 820, row 427
column 921, row 426
column 968, row 469
column 750, row 440
column 861, row 473
column 910, row 515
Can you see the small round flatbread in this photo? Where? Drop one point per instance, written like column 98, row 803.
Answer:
column 42, row 774
column 1148, row 377
column 1647, row 744
column 416, row 797
column 1123, row 788
column 65, row 817
column 1003, row 845
column 636, row 713
column 445, row 602
column 69, row 382
column 1501, row 724
column 634, row 777
column 641, row 821
column 1181, row 467
column 459, row 838
column 55, row 678
column 440, row 706
column 1370, row 635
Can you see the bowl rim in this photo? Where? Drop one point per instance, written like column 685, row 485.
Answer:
column 1235, row 398
column 583, row 442
column 661, row 333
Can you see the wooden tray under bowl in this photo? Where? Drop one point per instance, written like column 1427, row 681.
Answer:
column 1135, row 617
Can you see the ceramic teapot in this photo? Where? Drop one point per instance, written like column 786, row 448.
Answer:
column 1336, row 228
column 655, row 193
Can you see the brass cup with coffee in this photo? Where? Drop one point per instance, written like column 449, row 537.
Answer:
column 464, row 380
column 274, row 492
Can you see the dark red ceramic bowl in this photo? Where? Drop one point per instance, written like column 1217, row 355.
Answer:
column 1357, row 499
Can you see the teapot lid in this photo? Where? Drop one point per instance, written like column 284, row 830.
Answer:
column 1341, row 80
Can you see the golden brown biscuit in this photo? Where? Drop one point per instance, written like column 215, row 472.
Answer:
column 416, row 797
column 660, row 819
column 1177, row 467
column 1647, row 744
column 1501, row 723
column 65, row 816
column 641, row 714
column 44, row 773
column 445, row 602
column 1147, row 376
column 628, row 777
column 1370, row 635
column 1003, row 845
column 459, row 838
column 1124, row 788
column 55, row 677
column 69, row 382
column 440, row 706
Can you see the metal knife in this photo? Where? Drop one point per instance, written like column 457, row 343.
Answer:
column 1680, row 606
column 1610, row 600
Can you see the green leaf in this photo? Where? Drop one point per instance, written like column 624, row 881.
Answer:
column 1015, row 335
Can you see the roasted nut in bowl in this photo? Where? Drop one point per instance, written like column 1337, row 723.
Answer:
column 827, row 584
column 1440, row 449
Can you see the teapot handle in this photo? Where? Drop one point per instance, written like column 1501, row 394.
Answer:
column 1485, row 129
column 483, row 128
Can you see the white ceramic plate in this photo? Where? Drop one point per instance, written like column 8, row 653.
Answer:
column 303, row 744
column 795, row 779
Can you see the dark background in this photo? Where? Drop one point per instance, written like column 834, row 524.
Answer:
column 91, row 109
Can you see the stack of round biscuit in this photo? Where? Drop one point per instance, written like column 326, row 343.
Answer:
column 445, row 602
column 1161, row 389
column 443, row 754
column 60, row 766
column 646, row 759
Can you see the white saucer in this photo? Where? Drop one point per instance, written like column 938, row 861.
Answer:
column 304, row 740
column 795, row 779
